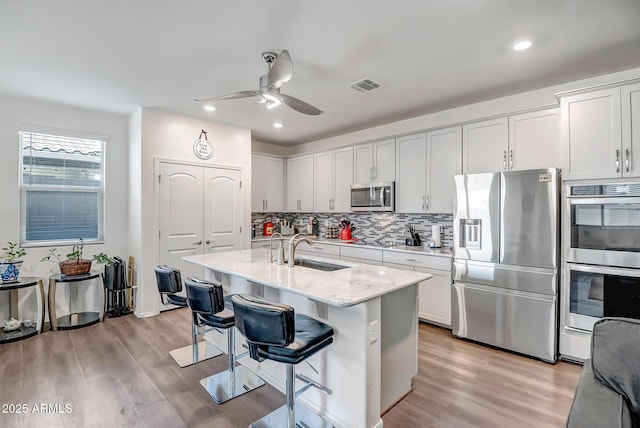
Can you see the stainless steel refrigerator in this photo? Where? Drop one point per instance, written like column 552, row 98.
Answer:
column 505, row 262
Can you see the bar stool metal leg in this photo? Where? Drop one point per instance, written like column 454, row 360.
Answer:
column 191, row 354
column 234, row 381
column 293, row 414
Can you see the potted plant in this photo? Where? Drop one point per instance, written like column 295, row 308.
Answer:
column 10, row 262
column 74, row 263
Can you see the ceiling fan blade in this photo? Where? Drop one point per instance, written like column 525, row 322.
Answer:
column 241, row 94
column 300, row 105
column 281, row 71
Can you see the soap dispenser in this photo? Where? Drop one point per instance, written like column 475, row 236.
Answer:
column 280, row 256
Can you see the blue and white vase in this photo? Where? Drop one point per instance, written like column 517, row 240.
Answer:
column 9, row 271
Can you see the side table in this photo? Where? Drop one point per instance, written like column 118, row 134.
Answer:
column 24, row 331
column 75, row 319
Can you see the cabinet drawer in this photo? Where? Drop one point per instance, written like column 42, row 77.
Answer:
column 320, row 249
column 417, row 260
column 261, row 244
column 361, row 253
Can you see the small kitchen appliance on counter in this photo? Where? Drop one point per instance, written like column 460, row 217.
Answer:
column 414, row 239
column 436, row 236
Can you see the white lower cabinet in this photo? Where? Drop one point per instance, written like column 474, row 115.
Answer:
column 319, row 249
column 435, row 293
column 368, row 256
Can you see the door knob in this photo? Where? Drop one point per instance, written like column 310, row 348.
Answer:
column 198, row 243
column 207, row 242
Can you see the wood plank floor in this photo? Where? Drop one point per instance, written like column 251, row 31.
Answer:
column 118, row 374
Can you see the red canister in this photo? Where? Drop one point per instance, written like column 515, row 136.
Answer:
column 268, row 229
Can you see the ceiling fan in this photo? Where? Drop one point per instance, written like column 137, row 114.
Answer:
column 280, row 71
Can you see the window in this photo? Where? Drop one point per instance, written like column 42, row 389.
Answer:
column 61, row 189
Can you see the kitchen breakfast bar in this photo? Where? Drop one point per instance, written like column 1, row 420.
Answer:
column 372, row 309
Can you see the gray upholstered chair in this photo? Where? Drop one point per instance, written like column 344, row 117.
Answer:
column 608, row 394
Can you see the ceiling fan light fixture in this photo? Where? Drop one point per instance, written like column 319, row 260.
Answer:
column 273, row 100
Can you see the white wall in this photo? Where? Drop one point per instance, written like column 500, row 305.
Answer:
column 539, row 98
column 162, row 135
column 16, row 113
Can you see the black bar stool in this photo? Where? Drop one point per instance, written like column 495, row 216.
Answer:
column 210, row 308
column 169, row 284
column 275, row 332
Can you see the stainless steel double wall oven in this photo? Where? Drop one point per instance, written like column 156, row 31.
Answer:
column 602, row 241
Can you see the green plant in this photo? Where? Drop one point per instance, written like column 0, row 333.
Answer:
column 102, row 258
column 12, row 252
column 75, row 254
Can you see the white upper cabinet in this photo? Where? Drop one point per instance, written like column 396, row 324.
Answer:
column 300, row 184
column 267, row 184
column 485, row 146
column 631, row 130
column 444, row 160
column 333, row 176
column 591, row 134
column 426, row 164
column 534, row 140
column 374, row 161
column 411, row 179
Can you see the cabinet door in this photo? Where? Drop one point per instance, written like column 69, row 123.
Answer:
column 273, row 179
column 631, row 130
column 293, row 184
column 534, row 140
column 384, row 160
column 435, row 297
column 257, row 183
column 485, row 146
column 305, row 177
column 342, row 179
column 444, row 160
column 591, row 135
column 411, row 177
column 323, row 181
column 362, row 163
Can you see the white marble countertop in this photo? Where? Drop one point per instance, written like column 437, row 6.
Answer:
column 441, row 252
column 344, row 287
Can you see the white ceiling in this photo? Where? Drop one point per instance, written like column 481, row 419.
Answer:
column 429, row 54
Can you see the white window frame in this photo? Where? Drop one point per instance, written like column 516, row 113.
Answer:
column 38, row 187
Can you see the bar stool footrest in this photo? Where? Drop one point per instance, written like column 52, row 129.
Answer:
column 226, row 385
column 184, row 356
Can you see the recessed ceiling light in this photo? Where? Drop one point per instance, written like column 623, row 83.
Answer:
column 277, row 125
column 208, row 107
column 521, row 45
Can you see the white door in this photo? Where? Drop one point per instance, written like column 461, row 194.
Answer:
column 180, row 216
column 342, row 180
column 631, row 130
column 534, row 140
column 444, row 160
column 384, row 159
column 273, row 184
column 222, row 210
column 435, row 297
column 258, row 199
column 323, row 182
column 363, row 163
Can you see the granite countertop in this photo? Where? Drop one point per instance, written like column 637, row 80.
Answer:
column 442, row 252
column 345, row 287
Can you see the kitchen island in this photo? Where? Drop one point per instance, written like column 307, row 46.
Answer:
column 373, row 311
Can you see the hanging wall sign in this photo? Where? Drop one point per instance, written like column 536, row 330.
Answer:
column 203, row 147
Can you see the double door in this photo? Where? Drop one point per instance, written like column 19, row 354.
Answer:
column 200, row 211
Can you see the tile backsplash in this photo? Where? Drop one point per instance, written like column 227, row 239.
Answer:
column 377, row 228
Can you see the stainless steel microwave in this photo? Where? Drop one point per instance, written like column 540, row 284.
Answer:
column 373, row 196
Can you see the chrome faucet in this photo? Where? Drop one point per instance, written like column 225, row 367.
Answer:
column 271, row 247
column 293, row 243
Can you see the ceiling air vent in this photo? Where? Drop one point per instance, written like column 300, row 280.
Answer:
column 365, row 85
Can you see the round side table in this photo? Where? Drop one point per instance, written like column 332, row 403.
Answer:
column 23, row 332
column 75, row 319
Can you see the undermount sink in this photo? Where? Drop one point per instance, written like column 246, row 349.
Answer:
column 316, row 264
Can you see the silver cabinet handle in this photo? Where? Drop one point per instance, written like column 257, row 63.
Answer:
column 414, row 260
column 427, row 202
column 266, row 205
column 627, row 161
column 504, row 160
column 510, row 159
column 617, row 160
column 422, row 202
column 198, row 243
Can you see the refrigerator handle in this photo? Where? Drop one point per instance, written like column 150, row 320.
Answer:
column 504, row 160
